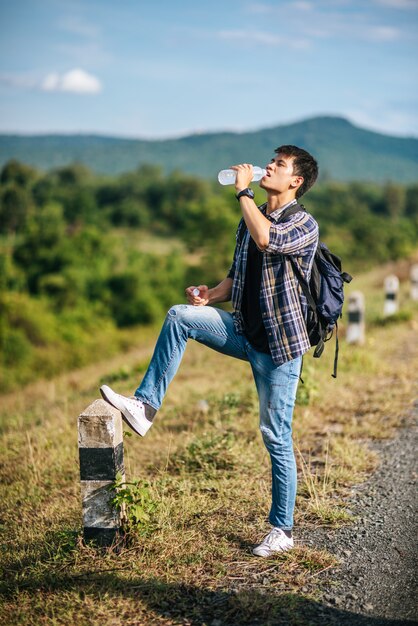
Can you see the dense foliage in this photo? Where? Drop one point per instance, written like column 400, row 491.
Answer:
column 83, row 255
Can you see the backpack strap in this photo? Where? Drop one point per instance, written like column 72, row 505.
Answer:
column 291, row 210
column 302, row 280
column 334, row 374
column 303, row 283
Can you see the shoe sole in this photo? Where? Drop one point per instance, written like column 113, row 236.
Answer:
column 112, row 398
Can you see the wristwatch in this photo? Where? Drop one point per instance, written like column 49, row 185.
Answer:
column 245, row 192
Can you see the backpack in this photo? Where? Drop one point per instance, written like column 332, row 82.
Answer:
column 324, row 293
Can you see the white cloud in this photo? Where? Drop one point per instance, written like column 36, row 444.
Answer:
column 398, row 4
column 262, row 37
column 302, row 6
column 382, row 33
column 260, row 8
column 335, row 19
column 74, row 81
column 77, row 26
column 251, row 37
column 384, row 118
column 82, row 40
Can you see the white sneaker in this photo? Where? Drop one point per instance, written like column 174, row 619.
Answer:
column 275, row 541
column 132, row 409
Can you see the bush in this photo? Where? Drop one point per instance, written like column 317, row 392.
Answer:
column 30, row 316
column 16, row 349
column 137, row 506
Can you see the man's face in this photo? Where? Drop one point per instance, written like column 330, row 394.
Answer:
column 280, row 176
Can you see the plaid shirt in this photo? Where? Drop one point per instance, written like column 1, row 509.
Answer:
column 283, row 305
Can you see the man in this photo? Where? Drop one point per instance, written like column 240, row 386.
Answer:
column 267, row 327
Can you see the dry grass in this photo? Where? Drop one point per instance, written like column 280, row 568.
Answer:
column 209, row 477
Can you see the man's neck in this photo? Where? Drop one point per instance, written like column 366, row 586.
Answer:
column 276, row 201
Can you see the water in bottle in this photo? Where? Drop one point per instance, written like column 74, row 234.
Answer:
column 227, row 177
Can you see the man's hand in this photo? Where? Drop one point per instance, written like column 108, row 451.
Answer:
column 244, row 175
column 198, row 300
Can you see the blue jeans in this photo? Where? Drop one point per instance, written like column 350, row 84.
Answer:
column 276, row 387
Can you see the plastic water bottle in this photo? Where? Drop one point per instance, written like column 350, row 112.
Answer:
column 196, row 292
column 227, row 177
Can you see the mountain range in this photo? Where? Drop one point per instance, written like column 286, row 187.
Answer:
column 344, row 151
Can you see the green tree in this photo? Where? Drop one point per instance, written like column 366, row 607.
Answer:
column 74, row 174
column 18, row 173
column 394, row 196
column 411, row 202
column 80, row 206
column 15, row 207
column 41, row 250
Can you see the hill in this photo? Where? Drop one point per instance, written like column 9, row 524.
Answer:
column 344, row 151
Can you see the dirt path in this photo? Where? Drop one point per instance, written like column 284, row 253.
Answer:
column 376, row 582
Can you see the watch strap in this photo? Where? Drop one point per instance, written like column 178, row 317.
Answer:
column 245, row 192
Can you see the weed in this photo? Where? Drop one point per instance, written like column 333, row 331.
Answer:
column 136, row 505
column 207, row 454
column 232, row 404
column 308, row 389
column 318, row 490
column 396, row 318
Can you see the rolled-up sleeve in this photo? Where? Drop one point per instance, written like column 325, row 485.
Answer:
column 293, row 236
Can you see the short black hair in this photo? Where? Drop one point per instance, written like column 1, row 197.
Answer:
column 303, row 165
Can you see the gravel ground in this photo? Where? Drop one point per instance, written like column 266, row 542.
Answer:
column 376, row 583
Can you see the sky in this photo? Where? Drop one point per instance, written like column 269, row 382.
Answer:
column 167, row 68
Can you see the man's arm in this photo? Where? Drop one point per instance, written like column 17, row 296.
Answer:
column 220, row 293
column 290, row 238
column 258, row 225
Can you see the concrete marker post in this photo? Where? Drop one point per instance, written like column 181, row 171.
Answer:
column 414, row 282
column 356, row 324
column 100, row 440
column 391, row 304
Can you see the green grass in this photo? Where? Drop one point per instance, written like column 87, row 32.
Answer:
column 202, row 478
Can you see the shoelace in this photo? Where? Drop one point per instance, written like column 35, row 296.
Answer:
column 133, row 401
column 272, row 536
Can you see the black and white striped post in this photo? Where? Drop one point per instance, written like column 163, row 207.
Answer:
column 100, row 441
column 356, row 325
column 391, row 305
column 414, row 282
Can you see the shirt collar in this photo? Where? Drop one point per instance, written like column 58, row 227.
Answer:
column 276, row 214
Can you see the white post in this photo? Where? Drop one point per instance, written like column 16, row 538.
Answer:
column 356, row 325
column 414, row 282
column 100, row 440
column 391, row 295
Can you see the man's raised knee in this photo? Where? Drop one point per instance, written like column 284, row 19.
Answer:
column 177, row 311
